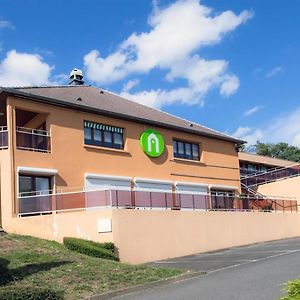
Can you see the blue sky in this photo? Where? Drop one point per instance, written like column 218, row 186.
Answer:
column 229, row 65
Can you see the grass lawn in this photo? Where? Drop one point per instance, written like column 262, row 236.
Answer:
column 31, row 262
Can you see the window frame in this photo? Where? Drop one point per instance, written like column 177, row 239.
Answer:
column 103, row 132
column 33, row 184
column 184, row 155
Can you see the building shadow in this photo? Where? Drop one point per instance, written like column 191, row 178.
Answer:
column 9, row 275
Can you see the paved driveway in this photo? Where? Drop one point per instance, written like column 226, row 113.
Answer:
column 243, row 273
column 217, row 260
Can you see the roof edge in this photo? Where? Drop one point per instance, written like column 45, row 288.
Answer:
column 56, row 102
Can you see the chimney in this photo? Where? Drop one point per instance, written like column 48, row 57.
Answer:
column 76, row 77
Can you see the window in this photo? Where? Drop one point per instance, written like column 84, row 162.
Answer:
column 252, row 167
column 103, row 135
column 34, row 185
column 222, row 199
column 186, row 150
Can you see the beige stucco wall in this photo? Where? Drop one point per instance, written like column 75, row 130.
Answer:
column 289, row 187
column 148, row 235
column 80, row 224
column 143, row 235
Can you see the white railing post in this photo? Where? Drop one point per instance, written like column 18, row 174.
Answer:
column 110, row 198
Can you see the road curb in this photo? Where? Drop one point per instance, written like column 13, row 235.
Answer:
column 140, row 287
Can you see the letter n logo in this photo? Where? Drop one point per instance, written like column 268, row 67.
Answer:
column 152, row 143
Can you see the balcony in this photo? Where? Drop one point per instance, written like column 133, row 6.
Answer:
column 33, row 139
column 47, row 202
column 3, row 138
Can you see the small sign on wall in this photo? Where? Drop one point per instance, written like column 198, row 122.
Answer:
column 104, row 225
column 152, row 142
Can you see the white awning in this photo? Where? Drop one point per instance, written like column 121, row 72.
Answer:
column 101, row 181
column 36, row 171
column 191, row 188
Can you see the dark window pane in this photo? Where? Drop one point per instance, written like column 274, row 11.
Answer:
column 88, row 136
column 195, row 150
column 188, row 151
column 107, row 139
column 180, row 149
column 25, row 185
column 175, row 148
column 118, row 140
column 42, row 185
column 97, row 137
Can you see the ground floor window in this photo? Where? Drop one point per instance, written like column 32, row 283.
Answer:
column 222, row 199
column 34, row 185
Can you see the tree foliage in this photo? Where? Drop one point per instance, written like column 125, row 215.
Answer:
column 279, row 150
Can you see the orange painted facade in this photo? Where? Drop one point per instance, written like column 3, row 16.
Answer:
column 69, row 155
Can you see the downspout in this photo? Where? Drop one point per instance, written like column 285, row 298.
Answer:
column 11, row 134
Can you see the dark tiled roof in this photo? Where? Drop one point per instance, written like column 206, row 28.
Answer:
column 94, row 100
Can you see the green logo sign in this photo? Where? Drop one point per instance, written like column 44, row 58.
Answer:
column 152, row 143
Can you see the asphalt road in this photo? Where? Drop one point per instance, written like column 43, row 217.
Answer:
column 247, row 273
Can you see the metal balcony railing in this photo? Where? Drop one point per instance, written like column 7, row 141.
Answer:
column 33, row 139
column 271, row 176
column 99, row 199
column 3, row 137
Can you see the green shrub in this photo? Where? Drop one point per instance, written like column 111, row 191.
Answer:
column 29, row 293
column 90, row 248
column 293, row 290
column 108, row 246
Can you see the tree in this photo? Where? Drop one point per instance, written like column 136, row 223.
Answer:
column 279, row 150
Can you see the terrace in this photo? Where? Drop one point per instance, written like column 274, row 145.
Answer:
column 51, row 202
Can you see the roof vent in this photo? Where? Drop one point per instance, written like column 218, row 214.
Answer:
column 76, row 77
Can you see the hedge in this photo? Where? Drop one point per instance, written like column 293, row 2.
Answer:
column 100, row 250
column 108, row 246
column 293, row 290
column 29, row 293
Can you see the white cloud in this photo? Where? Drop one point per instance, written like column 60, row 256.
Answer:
column 177, row 31
column 248, row 134
column 6, row 24
column 230, row 85
column 241, row 131
column 23, row 69
column 252, row 110
column 105, row 70
column 130, row 84
column 285, row 128
column 274, row 71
